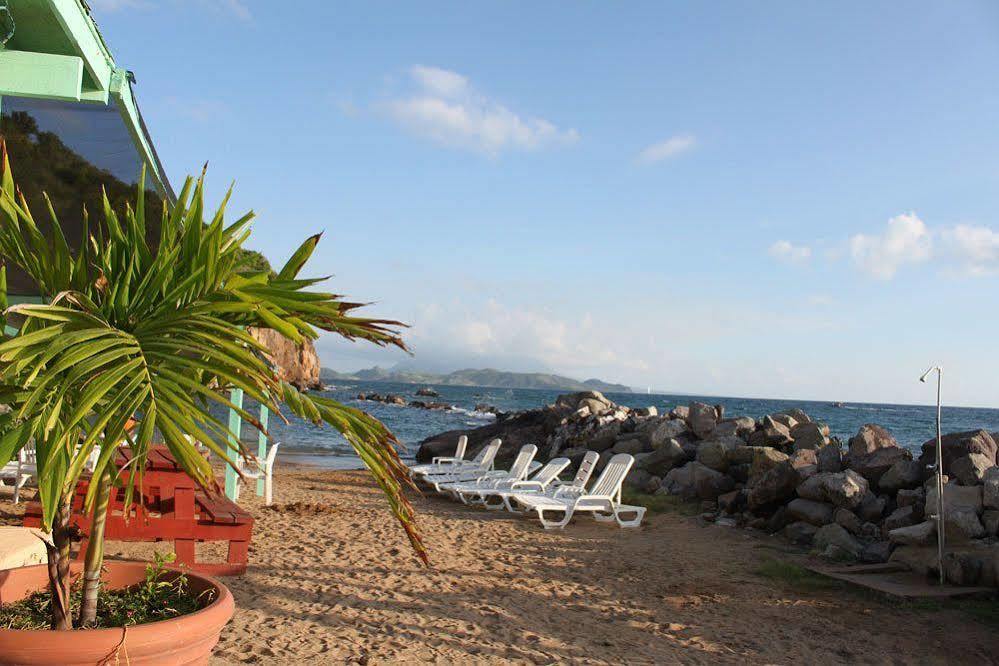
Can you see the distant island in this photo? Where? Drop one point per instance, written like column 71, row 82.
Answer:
column 486, row 377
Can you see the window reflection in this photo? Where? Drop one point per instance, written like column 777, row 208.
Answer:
column 69, row 151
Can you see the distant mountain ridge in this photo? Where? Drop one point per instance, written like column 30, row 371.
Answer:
column 471, row 377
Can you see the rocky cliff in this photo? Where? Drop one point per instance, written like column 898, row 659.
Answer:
column 297, row 365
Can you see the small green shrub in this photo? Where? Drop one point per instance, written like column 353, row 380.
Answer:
column 156, row 598
column 661, row 503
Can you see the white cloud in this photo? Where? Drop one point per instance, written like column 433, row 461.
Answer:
column 789, row 253
column 445, row 108
column 906, row 241
column 974, row 249
column 671, row 147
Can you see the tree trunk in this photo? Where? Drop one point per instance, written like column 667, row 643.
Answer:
column 58, row 562
column 94, row 561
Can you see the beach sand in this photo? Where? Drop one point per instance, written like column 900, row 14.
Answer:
column 332, row 580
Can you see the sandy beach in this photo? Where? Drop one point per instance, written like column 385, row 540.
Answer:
column 332, row 580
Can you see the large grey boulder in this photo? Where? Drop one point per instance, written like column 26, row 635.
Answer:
column 963, row 525
column 765, row 458
column 843, row 489
column 741, row 427
column 775, row 486
column 604, row 438
column 681, row 412
column 809, row 436
column 903, row 516
column 835, row 543
column 990, row 488
column 872, row 466
column 829, row 458
column 921, row 534
column 872, row 508
column 990, row 520
column 703, row 419
column 970, row 469
column 955, row 496
column 798, row 415
column 775, row 434
column 800, row 532
column 905, row 474
column 664, row 431
column 958, row 444
column 816, row 513
column 631, row 443
column 714, row 453
column 869, row 439
column 594, row 400
column 696, row 480
column 663, row 459
column 638, row 479
column 915, row 497
column 785, row 420
column 848, row 519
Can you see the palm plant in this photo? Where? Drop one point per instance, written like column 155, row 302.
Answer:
column 134, row 338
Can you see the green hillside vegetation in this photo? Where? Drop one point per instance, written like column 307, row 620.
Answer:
column 485, row 377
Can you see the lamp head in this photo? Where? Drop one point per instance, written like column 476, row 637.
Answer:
column 927, row 373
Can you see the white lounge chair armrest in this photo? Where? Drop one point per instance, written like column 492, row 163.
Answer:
column 527, row 485
column 445, row 459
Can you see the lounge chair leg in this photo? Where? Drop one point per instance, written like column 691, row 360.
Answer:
column 554, row 524
column 268, row 490
column 639, row 512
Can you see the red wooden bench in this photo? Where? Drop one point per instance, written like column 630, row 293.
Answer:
column 172, row 508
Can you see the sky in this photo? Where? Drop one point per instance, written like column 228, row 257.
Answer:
column 781, row 199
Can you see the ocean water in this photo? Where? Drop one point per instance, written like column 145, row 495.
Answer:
column 910, row 424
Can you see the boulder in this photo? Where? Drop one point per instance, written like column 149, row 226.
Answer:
column 604, row 438
column 829, row 458
column 876, row 552
column 775, row 434
column 915, row 497
column 906, row 474
column 872, row 466
column 963, row 524
column 664, row 431
column 696, row 480
column 955, row 497
column 798, row 415
column 800, row 533
column 964, row 568
column 595, row 400
column 835, row 543
column 844, row 489
column 785, row 420
column 809, row 511
column 664, row 458
column 958, row 444
column 900, row 517
column 703, row 419
column 742, row 427
column 714, row 453
column 872, row 508
column 638, row 479
column 803, row 457
column 681, row 412
column 848, row 519
column 921, row 534
column 990, row 520
column 869, row 439
column 970, row 469
column 990, row 488
column 808, row 436
column 775, row 486
column 631, row 443
column 765, row 458
column 646, row 412
column 733, row 501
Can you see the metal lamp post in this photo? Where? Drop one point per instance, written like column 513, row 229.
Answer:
column 940, row 484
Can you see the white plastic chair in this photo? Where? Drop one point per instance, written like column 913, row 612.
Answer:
column 561, row 489
column 470, row 492
column 442, row 464
column 259, row 469
column 603, row 500
column 482, row 463
column 542, row 482
column 27, row 468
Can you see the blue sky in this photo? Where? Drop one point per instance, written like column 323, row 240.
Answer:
column 795, row 199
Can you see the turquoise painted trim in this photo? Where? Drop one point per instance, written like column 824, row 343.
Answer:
column 262, row 444
column 235, row 426
column 44, row 75
column 80, row 28
column 122, row 94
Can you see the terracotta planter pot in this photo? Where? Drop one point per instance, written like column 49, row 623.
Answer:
column 187, row 639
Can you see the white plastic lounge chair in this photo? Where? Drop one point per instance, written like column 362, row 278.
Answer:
column 443, row 464
column 27, row 468
column 603, row 500
column 259, row 469
column 573, row 488
column 470, row 492
column 543, row 481
column 483, row 462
